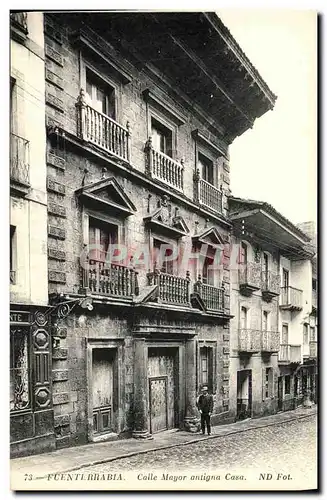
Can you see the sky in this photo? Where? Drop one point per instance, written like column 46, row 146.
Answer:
column 275, row 161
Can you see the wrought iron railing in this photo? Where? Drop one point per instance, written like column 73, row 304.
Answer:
column 212, row 296
column 210, row 196
column 250, row 275
column 163, row 168
column 101, row 130
column 110, row 279
column 313, row 348
column 292, row 297
column 249, row 340
column 270, row 341
column 171, row 289
column 289, row 353
column 19, row 19
column 19, row 160
column 270, row 282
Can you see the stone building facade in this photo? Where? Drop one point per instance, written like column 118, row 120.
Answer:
column 271, row 300
column 138, row 122
column 31, row 413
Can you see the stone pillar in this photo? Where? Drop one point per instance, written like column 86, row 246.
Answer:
column 191, row 421
column 140, row 406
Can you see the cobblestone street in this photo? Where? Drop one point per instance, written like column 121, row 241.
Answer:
column 288, row 448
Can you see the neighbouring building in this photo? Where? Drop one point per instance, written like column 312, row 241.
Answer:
column 31, row 413
column 140, row 111
column 271, row 303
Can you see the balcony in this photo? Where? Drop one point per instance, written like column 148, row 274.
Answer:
column 18, row 21
column 210, row 196
column 212, row 297
column 171, row 289
column 249, row 341
column 313, row 349
column 270, row 342
column 163, row 168
column 249, row 278
column 19, row 165
column 110, row 279
column 289, row 354
column 270, row 285
column 102, row 131
column 291, row 299
column 314, row 301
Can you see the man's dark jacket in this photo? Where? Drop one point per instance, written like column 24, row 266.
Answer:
column 205, row 403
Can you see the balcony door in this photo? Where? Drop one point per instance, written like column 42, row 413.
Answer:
column 265, row 267
column 243, row 318
column 163, row 259
column 161, row 137
column 243, row 254
column 206, row 168
column 265, row 327
column 101, row 236
column 285, row 334
column 285, row 285
column 99, row 95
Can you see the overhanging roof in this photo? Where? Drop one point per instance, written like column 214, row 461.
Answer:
column 263, row 222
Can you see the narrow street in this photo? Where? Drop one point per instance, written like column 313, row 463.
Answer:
column 289, row 448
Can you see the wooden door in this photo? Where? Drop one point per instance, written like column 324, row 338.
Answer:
column 280, row 393
column 162, row 365
column 158, row 404
column 249, row 412
column 102, row 389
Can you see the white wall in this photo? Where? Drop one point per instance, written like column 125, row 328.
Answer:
column 29, row 215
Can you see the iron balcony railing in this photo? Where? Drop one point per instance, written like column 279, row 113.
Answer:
column 250, row 275
column 291, row 298
column 249, row 340
column 270, row 282
column 19, row 160
column 210, row 196
column 212, row 296
column 171, row 289
column 19, row 19
column 101, row 130
column 110, row 279
column 270, row 341
column 289, row 354
column 313, row 350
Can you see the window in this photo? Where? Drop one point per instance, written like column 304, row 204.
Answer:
column 243, row 318
column 305, row 334
column 243, row 253
column 101, row 236
column 268, row 383
column 265, row 321
column 100, row 95
column 312, row 334
column 285, row 278
column 285, row 334
column 12, row 255
column 206, row 168
column 314, row 284
column 19, row 372
column 206, row 367
column 161, row 137
column 287, row 384
column 163, row 256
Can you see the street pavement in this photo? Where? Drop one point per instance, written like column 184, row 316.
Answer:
column 285, row 438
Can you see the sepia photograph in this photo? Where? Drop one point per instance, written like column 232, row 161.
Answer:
column 163, row 250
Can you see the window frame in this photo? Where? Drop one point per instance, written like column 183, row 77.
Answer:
column 268, row 390
column 85, row 66
column 246, row 309
column 306, row 334
column 211, row 347
column 288, row 332
column 165, row 241
column 153, row 114
column 266, row 313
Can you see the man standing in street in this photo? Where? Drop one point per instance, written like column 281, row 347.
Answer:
column 205, row 406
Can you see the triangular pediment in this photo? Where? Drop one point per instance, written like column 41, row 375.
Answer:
column 209, row 237
column 162, row 221
column 108, row 193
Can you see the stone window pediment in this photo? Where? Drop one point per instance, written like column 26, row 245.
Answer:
column 107, row 194
column 208, row 237
column 164, row 223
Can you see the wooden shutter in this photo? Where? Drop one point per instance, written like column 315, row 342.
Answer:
column 275, row 383
column 210, row 368
column 263, row 384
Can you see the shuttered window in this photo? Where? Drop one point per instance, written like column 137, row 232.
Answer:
column 267, row 383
